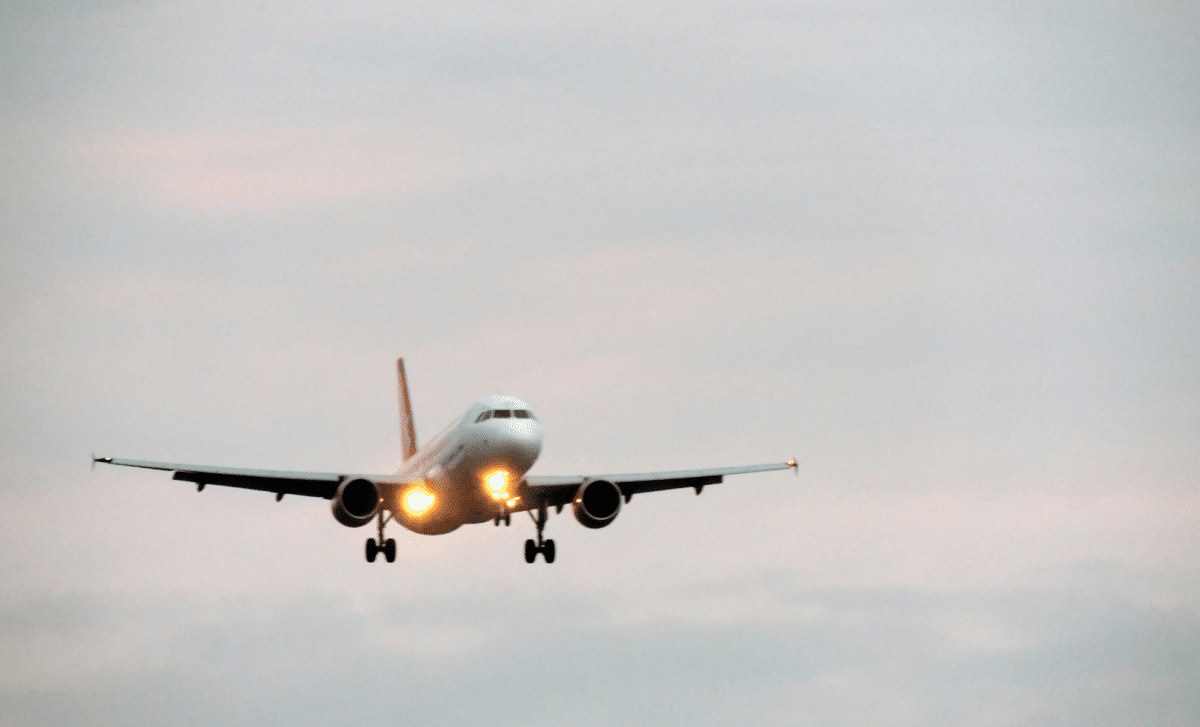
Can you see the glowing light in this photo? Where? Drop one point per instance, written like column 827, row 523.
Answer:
column 418, row 501
column 513, row 502
column 498, row 481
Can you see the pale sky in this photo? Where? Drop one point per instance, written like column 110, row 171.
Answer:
column 947, row 255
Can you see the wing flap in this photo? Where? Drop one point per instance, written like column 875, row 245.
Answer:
column 631, row 488
column 279, row 485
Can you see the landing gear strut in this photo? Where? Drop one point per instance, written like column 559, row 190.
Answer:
column 545, row 547
column 387, row 547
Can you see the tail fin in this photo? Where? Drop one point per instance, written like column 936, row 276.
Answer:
column 408, row 431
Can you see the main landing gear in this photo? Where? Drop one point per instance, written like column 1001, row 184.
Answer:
column 387, row 547
column 545, row 547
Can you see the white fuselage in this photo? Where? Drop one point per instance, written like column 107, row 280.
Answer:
column 469, row 473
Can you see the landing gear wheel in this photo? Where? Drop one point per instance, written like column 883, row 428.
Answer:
column 389, row 550
column 545, row 547
column 372, row 550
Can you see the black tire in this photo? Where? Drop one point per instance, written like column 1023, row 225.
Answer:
column 372, row 550
column 530, row 551
column 389, row 550
column 548, row 551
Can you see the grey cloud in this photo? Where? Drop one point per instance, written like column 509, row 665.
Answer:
column 906, row 655
column 945, row 255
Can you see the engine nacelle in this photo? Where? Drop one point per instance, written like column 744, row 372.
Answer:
column 597, row 503
column 356, row 503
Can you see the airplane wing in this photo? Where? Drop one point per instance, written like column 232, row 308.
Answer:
column 310, row 484
column 558, row 491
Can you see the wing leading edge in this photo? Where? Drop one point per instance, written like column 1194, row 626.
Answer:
column 281, row 482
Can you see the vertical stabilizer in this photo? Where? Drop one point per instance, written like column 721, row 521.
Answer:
column 408, row 432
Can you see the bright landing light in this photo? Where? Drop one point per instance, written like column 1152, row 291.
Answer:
column 498, row 482
column 418, row 501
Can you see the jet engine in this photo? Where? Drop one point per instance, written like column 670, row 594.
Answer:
column 356, row 503
column 597, row 503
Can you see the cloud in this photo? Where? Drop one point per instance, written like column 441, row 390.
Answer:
column 942, row 255
column 243, row 171
column 904, row 650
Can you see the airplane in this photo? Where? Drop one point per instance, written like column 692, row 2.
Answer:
column 472, row 472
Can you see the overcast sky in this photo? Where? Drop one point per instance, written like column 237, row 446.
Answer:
column 945, row 254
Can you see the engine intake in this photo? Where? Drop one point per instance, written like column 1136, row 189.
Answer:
column 597, row 503
column 356, row 503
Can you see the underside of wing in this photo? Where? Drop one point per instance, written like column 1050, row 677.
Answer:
column 560, row 490
column 281, row 482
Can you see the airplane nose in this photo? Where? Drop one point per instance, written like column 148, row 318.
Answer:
column 525, row 435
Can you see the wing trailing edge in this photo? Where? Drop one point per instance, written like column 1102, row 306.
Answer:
column 558, row 490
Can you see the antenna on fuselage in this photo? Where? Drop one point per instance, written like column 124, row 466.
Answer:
column 408, row 431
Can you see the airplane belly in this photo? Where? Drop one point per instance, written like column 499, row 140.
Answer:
column 473, row 502
column 479, row 509
column 430, row 527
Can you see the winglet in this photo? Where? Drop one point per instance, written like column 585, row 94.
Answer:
column 101, row 460
column 795, row 468
column 408, row 431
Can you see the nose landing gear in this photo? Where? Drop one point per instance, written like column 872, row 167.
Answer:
column 387, row 547
column 545, row 547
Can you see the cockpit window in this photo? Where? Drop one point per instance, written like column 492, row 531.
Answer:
column 505, row 414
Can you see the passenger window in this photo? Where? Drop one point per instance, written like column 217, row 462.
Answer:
column 521, row 414
column 502, row 413
column 483, row 416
